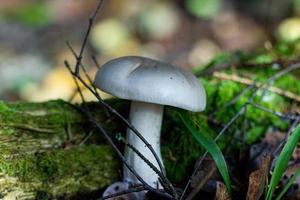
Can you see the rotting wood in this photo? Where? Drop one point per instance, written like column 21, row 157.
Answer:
column 41, row 157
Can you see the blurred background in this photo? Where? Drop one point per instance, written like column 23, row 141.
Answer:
column 189, row 33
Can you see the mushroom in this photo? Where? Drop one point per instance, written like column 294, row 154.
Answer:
column 149, row 84
column 120, row 187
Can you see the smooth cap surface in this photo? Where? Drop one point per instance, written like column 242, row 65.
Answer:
column 147, row 80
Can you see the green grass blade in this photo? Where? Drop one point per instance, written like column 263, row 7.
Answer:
column 210, row 145
column 289, row 184
column 282, row 161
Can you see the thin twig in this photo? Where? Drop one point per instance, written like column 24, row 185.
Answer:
column 101, row 129
column 113, row 111
column 151, row 165
column 278, row 114
column 81, row 64
column 87, row 76
column 289, row 132
column 233, row 100
column 93, row 90
column 222, row 66
column 91, row 22
column 274, row 78
column 96, row 61
column 242, row 109
column 109, row 108
column 236, row 78
column 107, row 137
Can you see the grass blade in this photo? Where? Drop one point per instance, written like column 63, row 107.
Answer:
column 289, row 184
column 282, row 162
column 210, row 145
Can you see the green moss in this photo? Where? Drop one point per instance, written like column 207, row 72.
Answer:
column 254, row 133
column 226, row 91
column 289, row 82
column 181, row 151
column 92, row 165
column 264, row 58
column 3, row 107
column 55, row 112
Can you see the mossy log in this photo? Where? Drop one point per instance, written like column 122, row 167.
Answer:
column 44, row 154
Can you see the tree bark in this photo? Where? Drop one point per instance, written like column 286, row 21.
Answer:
column 45, row 153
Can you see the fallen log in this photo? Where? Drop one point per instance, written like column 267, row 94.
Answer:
column 45, row 153
column 49, row 150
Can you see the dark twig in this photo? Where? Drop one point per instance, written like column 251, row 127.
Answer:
column 151, row 165
column 235, row 99
column 107, row 137
column 92, row 89
column 86, row 75
column 244, row 128
column 76, row 75
column 113, row 111
column 197, row 167
column 96, row 61
column 278, row 114
column 91, row 22
column 289, row 132
column 272, row 79
column 223, row 66
column 246, row 81
column 79, row 91
column 81, row 64
column 101, row 129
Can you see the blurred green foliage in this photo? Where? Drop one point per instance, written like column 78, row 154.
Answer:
column 203, row 8
column 35, row 13
column 296, row 6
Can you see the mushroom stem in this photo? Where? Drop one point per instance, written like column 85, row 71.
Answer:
column 147, row 119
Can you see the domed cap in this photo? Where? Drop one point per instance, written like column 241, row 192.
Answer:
column 147, row 80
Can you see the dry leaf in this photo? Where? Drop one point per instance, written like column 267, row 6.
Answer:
column 221, row 193
column 257, row 180
column 206, row 168
column 206, row 173
column 268, row 145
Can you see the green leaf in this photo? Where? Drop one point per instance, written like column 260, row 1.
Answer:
column 282, row 162
column 213, row 149
column 289, row 184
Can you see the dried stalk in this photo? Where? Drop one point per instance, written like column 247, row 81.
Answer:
column 239, row 79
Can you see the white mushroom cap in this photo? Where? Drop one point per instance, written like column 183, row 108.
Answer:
column 147, row 80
